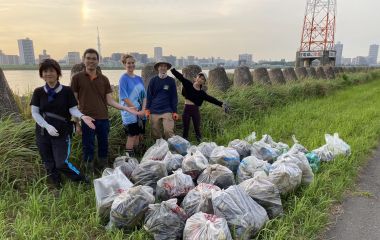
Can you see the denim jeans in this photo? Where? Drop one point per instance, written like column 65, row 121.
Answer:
column 102, row 128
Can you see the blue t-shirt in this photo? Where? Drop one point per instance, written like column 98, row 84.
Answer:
column 133, row 89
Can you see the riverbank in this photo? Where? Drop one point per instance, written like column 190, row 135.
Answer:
column 308, row 110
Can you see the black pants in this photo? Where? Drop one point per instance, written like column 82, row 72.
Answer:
column 191, row 111
column 55, row 153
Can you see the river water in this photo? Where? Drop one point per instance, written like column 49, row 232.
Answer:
column 25, row 81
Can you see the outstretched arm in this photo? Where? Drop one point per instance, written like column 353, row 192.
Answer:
column 212, row 100
column 180, row 77
column 113, row 103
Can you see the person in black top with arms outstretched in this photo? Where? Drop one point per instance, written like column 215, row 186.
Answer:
column 194, row 97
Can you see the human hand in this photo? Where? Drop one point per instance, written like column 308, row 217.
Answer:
column 141, row 113
column 131, row 110
column 51, row 130
column 226, row 108
column 175, row 116
column 147, row 113
column 88, row 121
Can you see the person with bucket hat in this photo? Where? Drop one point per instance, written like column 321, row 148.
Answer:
column 162, row 102
column 194, row 97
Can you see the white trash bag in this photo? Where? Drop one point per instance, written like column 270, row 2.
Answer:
column 129, row 207
column 173, row 162
column 337, row 145
column 264, row 193
column 199, row 199
column 242, row 213
column 301, row 160
column 194, row 163
column 178, row 145
column 148, row 173
column 324, row 153
column 174, row 186
column 218, row 175
column 297, row 147
column 286, row 176
column 264, row 151
column 126, row 164
column 280, row 146
column 225, row 156
column 251, row 138
column 107, row 172
column 206, row 148
column 165, row 220
column 249, row 166
column 107, row 189
column 241, row 146
column 157, row 152
column 203, row 226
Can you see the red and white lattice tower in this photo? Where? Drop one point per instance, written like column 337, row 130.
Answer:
column 318, row 33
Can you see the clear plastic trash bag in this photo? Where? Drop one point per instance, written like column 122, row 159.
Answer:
column 178, row 144
column 203, row 226
column 242, row 213
column 225, row 156
column 129, row 207
column 165, row 220
column 174, row 186
column 218, row 175
column 199, row 199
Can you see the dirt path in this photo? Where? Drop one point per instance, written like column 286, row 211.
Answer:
column 360, row 218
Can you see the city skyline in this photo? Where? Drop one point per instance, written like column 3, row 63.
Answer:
column 223, row 28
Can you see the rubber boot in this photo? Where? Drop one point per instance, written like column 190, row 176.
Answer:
column 102, row 164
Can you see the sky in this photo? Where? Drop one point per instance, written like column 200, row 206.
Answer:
column 267, row 29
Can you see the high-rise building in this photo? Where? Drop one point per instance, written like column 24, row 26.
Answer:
column 157, row 53
column 116, row 57
column 339, row 50
column 26, row 50
column 171, row 59
column 9, row 59
column 73, row 58
column 360, row 61
column 43, row 56
column 245, row 59
column 373, row 54
column 190, row 60
column 346, row 61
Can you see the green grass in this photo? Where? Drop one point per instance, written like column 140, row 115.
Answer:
column 30, row 210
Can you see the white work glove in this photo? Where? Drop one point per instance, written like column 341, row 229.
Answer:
column 51, row 130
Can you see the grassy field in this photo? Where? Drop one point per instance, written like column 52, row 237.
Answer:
column 349, row 106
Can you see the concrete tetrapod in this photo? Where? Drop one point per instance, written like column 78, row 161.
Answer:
column 276, row 76
column 312, row 72
column 260, row 75
column 242, row 76
column 321, row 73
column 218, row 79
column 301, row 73
column 290, row 74
column 8, row 104
column 147, row 73
column 329, row 72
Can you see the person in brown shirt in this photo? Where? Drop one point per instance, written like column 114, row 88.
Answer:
column 94, row 93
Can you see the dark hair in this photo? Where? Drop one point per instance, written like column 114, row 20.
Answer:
column 49, row 63
column 91, row 50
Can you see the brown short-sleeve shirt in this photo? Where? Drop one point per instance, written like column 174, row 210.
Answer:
column 92, row 94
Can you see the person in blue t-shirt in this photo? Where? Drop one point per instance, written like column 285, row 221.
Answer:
column 132, row 94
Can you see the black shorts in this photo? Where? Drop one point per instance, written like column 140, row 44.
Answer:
column 134, row 129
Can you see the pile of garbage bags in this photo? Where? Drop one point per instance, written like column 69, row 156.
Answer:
column 208, row 191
